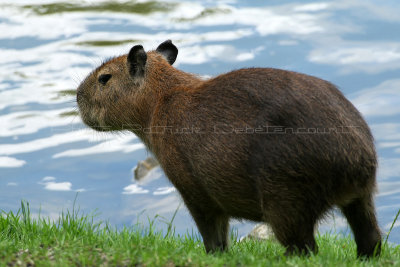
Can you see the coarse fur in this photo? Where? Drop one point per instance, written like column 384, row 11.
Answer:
column 261, row 144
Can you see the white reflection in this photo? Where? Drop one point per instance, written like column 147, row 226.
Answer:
column 388, row 168
column 105, row 147
column 50, row 184
column 388, row 188
column 371, row 57
column 111, row 144
column 28, row 122
column 164, row 190
column 381, row 100
column 8, row 162
column 134, row 189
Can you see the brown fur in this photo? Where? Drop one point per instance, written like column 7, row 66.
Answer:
column 211, row 139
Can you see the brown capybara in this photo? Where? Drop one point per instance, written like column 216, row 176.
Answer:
column 261, row 144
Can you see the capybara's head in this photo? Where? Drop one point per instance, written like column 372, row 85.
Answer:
column 110, row 97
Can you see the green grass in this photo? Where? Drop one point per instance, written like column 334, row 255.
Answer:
column 76, row 239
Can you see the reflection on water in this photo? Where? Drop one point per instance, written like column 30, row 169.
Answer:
column 47, row 155
column 107, row 43
column 103, row 6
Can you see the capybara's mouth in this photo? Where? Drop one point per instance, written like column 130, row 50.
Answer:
column 86, row 110
column 93, row 114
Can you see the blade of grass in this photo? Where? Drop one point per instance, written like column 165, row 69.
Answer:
column 391, row 227
column 172, row 220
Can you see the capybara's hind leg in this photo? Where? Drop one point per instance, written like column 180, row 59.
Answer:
column 214, row 229
column 360, row 214
column 295, row 233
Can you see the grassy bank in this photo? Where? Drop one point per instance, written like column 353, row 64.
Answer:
column 76, row 240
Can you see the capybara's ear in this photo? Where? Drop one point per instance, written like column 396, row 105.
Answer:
column 168, row 50
column 137, row 58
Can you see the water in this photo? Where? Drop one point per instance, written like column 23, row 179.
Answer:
column 47, row 47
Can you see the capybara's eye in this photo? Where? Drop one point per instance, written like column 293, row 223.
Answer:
column 103, row 79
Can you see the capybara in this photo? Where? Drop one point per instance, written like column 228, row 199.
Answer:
column 261, row 144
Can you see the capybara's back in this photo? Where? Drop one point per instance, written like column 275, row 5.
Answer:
column 261, row 144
